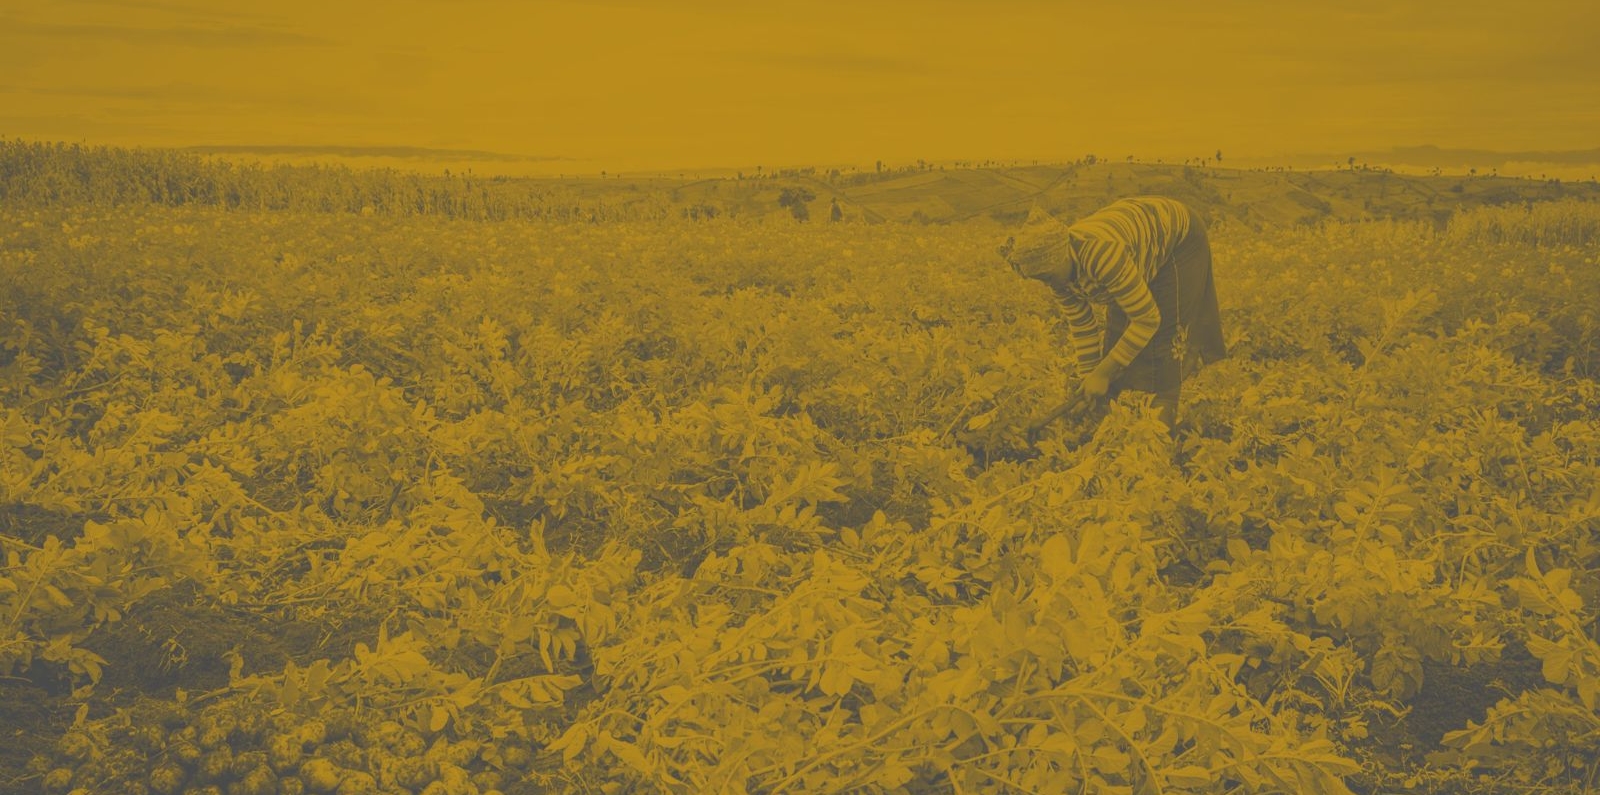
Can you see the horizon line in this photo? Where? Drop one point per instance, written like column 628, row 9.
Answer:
column 439, row 155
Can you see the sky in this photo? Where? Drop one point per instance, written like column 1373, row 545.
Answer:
column 577, row 87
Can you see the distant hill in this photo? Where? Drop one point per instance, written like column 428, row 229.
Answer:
column 1568, row 164
column 1254, row 197
column 65, row 174
column 1434, row 156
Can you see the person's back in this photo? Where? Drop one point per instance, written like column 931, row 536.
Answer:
column 1150, row 227
column 1147, row 259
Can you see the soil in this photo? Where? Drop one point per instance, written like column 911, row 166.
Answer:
column 1449, row 699
column 172, row 639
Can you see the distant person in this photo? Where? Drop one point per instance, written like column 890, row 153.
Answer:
column 1147, row 260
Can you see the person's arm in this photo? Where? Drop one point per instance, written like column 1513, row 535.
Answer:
column 1116, row 271
column 1084, row 332
column 1144, row 317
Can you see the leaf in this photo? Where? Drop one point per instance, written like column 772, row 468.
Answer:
column 1588, row 691
column 1091, row 544
column 673, row 694
column 892, row 775
column 1557, row 658
column 537, row 690
column 317, row 676
column 546, row 641
column 571, row 742
column 289, row 694
column 560, row 596
column 1190, row 776
column 56, row 597
column 1558, row 579
column 1315, row 780
column 1055, row 557
column 1531, row 596
column 1397, row 669
column 1557, row 665
column 1346, row 512
column 630, row 753
column 515, row 698
column 1110, row 759
column 836, row 679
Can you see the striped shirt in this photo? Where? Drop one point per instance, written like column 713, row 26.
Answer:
column 1118, row 250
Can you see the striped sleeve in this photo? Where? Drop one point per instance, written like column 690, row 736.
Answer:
column 1084, row 331
column 1115, row 271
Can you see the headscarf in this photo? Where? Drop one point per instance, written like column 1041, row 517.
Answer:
column 1041, row 248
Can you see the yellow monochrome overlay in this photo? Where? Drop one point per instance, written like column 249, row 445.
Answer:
column 499, row 398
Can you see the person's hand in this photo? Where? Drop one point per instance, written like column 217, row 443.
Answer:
column 1097, row 384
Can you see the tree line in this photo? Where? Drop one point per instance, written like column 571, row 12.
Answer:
column 52, row 173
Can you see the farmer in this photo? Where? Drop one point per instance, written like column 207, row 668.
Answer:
column 1147, row 260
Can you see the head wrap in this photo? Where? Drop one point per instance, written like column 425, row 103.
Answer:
column 1041, row 248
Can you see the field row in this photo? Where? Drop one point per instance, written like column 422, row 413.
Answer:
column 696, row 507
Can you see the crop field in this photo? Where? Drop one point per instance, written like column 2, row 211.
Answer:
column 323, row 502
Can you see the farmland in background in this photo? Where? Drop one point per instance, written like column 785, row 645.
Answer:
column 331, row 481
column 70, row 174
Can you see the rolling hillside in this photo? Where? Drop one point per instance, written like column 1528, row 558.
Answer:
column 65, row 174
column 1255, row 197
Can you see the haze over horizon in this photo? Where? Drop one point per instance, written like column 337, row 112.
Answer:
column 619, row 85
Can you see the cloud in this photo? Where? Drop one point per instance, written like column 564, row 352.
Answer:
column 174, row 35
column 212, row 11
column 185, row 97
column 400, row 152
column 178, row 92
column 75, row 126
column 836, row 60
